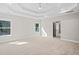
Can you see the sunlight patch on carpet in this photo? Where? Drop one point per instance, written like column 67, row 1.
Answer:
column 18, row 43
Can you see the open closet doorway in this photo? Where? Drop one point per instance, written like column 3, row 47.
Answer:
column 57, row 29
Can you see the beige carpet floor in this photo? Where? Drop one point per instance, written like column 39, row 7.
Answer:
column 39, row 46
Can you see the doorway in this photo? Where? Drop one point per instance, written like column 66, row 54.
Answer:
column 57, row 29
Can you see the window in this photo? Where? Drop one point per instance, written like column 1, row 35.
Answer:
column 4, row 27
column 37, row 27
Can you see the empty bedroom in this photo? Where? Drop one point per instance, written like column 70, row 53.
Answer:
column 39, row 28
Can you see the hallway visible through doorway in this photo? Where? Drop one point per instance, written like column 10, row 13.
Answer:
column 57, row 29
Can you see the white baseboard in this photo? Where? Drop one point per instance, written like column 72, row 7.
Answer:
column 71, row 40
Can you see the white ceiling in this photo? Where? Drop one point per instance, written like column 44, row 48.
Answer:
column 32, row 9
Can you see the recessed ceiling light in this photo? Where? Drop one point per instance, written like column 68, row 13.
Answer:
column 39, row 8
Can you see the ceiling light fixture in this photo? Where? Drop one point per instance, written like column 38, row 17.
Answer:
column 40, row 6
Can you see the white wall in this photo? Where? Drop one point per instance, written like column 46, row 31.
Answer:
column 22, row 27
column 69, row 26
column 70, row 30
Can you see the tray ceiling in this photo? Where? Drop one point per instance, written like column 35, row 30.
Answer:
column 37, row 9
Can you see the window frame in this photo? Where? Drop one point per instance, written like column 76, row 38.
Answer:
column 10, row 27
